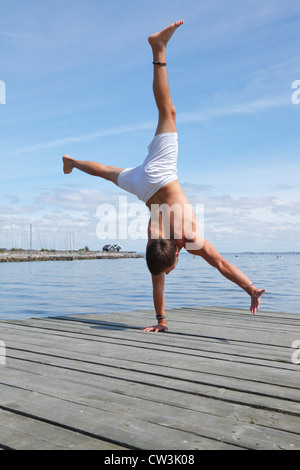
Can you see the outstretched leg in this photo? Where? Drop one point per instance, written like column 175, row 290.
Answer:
column 107, row 172
column 166, row 108
column 167, row 113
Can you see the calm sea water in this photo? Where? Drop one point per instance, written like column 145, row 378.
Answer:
column 99, row 286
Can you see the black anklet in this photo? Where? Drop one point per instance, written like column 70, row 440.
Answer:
column 160, row 63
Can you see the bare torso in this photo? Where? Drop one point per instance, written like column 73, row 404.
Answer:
column 172, row 217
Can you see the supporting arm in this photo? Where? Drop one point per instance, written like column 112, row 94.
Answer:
column 158, row 283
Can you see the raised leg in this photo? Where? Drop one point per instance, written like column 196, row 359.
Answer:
column 166, row 108
column 107, row 172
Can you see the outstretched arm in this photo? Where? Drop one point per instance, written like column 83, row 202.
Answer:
column 158, row 283
column 231, row 272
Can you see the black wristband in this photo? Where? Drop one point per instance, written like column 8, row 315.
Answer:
column 159, row 63
column 160, row 317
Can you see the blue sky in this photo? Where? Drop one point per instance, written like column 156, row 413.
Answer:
column 78, row 79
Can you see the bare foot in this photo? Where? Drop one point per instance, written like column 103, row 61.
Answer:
column 160, row 40
column 68, row 164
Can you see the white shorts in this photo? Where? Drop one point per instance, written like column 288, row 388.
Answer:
column 158, row 169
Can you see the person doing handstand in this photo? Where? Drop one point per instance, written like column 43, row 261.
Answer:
column 155, row 183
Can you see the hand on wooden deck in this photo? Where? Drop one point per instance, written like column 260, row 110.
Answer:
column 156, row 328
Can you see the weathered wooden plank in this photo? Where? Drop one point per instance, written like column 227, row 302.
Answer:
column 196, row 315
column 21, row 432
column 193, row 402
column 233, row 350
column 186, row 366
column 147, row 341
column 194, row 312
column 186, row 324
column 217, row 387
column 109, row 351
column 123, row 429
column 249, row 436
column 220, row 379
column 250, row 333
column 186, row 319
column 95, row 328
column 261, row 313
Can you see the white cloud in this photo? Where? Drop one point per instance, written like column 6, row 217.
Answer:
column 262, row 222
column 233, row 109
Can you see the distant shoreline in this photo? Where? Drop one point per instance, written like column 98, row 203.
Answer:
column 21, row 256
column 60, row 255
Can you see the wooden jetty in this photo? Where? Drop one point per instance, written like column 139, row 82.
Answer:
column 219, row 379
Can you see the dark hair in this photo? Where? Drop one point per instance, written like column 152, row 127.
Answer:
column 161, row 255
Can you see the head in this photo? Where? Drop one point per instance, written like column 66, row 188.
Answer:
column 161, row 256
